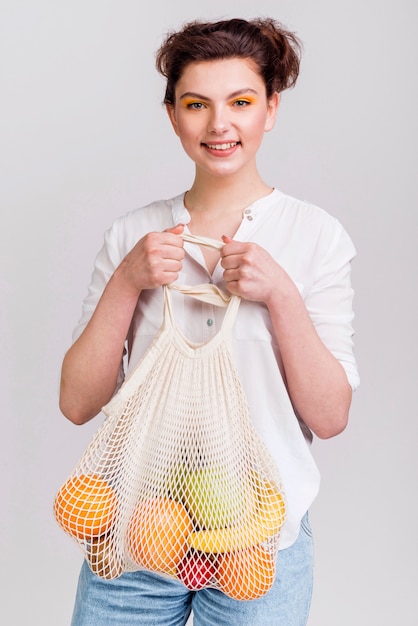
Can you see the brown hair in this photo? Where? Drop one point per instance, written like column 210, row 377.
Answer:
column 275, row 50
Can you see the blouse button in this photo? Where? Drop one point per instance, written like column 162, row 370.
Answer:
column 209, row 322
column 247, row 213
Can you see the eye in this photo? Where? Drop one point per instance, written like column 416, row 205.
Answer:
column 241, row 102
column 195, row 106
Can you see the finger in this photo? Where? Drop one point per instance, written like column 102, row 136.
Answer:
column 177, row 229
column 173, row 236
column 170, row 253
column 226, row 241
column 233, row 286
column 231, row 262
column 171, row 266
column 233, row 247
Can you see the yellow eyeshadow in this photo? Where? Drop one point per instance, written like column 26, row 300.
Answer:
column 188, row 101
column 249, row 99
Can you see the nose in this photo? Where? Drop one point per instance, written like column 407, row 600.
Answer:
column 218, row 121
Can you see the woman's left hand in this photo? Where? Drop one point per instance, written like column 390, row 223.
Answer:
column 251, row 272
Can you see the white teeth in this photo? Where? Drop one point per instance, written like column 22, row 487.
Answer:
column 222, row 146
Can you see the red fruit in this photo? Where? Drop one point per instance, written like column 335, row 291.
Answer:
column 196, row 571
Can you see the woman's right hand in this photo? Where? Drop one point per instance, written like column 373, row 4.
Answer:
column 155, row 260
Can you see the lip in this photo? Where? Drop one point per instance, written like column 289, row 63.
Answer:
column 221, row 148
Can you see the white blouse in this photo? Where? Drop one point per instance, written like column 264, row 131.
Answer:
column 316, row 252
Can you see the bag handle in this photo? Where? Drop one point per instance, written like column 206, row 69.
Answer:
column 202, row 241
column 206, row 292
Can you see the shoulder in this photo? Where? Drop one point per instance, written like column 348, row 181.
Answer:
column 308, row 223
column 299, row 227
column 155, row 216
column 305, row 212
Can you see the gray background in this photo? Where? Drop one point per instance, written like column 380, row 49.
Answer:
column 84, row 138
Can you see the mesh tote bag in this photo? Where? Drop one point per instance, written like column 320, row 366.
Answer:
column 176, row 480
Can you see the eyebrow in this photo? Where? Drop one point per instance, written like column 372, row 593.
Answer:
column 192, row 94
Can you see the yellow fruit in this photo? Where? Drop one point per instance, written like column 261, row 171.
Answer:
column 223, row 539
column 269, row 512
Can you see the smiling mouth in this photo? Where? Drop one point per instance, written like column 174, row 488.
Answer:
column 221, row 146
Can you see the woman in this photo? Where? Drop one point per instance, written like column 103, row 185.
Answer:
column 289, row 261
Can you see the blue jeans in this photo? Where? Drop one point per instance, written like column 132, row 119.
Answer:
column 145, row 599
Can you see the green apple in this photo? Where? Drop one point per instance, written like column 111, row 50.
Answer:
column 213, row 498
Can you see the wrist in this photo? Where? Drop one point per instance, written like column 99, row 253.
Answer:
column 283, row 295
column 122, row 282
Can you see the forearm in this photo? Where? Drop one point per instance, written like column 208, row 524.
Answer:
column 90, row 367
column 317, row 383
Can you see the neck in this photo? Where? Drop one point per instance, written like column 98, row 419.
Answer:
column 224, row 194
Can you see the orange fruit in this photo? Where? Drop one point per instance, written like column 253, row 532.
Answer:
column 246, row 574
column 85, row 506
column 157, row 534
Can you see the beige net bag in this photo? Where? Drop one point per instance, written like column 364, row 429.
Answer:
column 177, row 480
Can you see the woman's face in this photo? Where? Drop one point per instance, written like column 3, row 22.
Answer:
column 221, row 113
